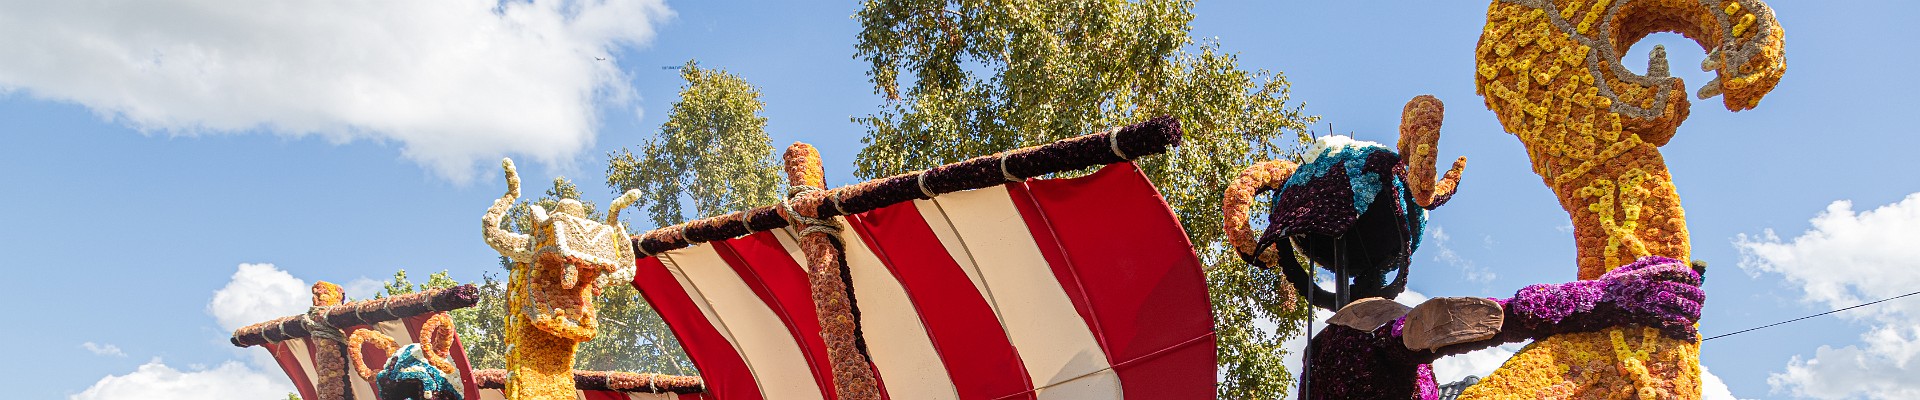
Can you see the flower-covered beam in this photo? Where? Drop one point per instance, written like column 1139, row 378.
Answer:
column 607, row 381
column 1154, row 136
column 364, row 312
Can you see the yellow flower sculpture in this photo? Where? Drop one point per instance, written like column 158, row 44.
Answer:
column 1550, row 70
column 557, row 269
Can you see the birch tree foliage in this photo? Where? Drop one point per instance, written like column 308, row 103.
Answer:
column 712, row 155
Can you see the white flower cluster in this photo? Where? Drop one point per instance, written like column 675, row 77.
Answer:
column 1335, row 143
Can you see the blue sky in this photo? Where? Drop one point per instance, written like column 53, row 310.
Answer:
column 138, row 186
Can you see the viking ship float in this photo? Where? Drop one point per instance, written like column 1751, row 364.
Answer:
column 995, row 278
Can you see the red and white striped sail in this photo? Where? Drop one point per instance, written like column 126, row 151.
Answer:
column 1083, row 288
column 297, row 356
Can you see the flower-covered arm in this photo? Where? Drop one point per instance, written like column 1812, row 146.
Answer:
column 1653, row 291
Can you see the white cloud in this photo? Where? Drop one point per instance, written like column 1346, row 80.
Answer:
column 1848, row 258
column 1480, row 363
column 107, row 349
column 257, row 293
column 1438, row 240
column 1712, row 388
column 157, row 381
column 452, row 82
column 363, row 288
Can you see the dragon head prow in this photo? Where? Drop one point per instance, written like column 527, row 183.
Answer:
column 1744, row 43
column 563, row 260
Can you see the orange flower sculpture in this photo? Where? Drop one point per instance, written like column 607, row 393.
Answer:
column 557, row 269
column 1550, row 70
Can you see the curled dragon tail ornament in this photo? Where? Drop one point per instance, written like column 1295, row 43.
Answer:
column 1550, row 69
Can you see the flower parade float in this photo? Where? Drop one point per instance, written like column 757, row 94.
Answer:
column 968, row 280
column 416, row 371
column 319, row 353
column 1551, row 72
column 1021, row 275
column 404, row 347
column 1358, row 209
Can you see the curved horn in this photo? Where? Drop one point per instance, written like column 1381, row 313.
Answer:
column 436, row 342
column 1419, row 135
column 621, row 203
column 512, row 245
column 1237, row 205
column 359, row 339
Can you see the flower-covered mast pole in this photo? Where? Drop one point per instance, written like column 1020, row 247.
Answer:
column 827, row 275
column 330, row 355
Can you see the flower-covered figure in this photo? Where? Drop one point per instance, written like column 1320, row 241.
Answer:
column 408, row 376
column 417, row 371
column 1353, row 205
column 1361, row 194
column 1551, row 71
column 557, row 269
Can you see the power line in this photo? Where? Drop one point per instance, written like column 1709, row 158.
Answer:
column 1809, row 316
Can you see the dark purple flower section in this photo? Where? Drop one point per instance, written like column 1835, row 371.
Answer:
column 1322, row 206
column 1350, row 363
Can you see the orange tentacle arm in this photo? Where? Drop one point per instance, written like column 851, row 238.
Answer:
column 1419, row 138
column 436, row 342
column 1237, row 207
column 359, row 340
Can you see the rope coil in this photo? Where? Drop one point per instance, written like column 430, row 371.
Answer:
column 813, row 225
column 389, row 311
column 1003, row 170
column 1113, row 142
column 922, row 180
column 318, row 327
column 834, row 197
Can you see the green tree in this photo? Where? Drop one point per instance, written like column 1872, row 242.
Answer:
column 982, row 76
column 712, row 152
column 398, row 286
